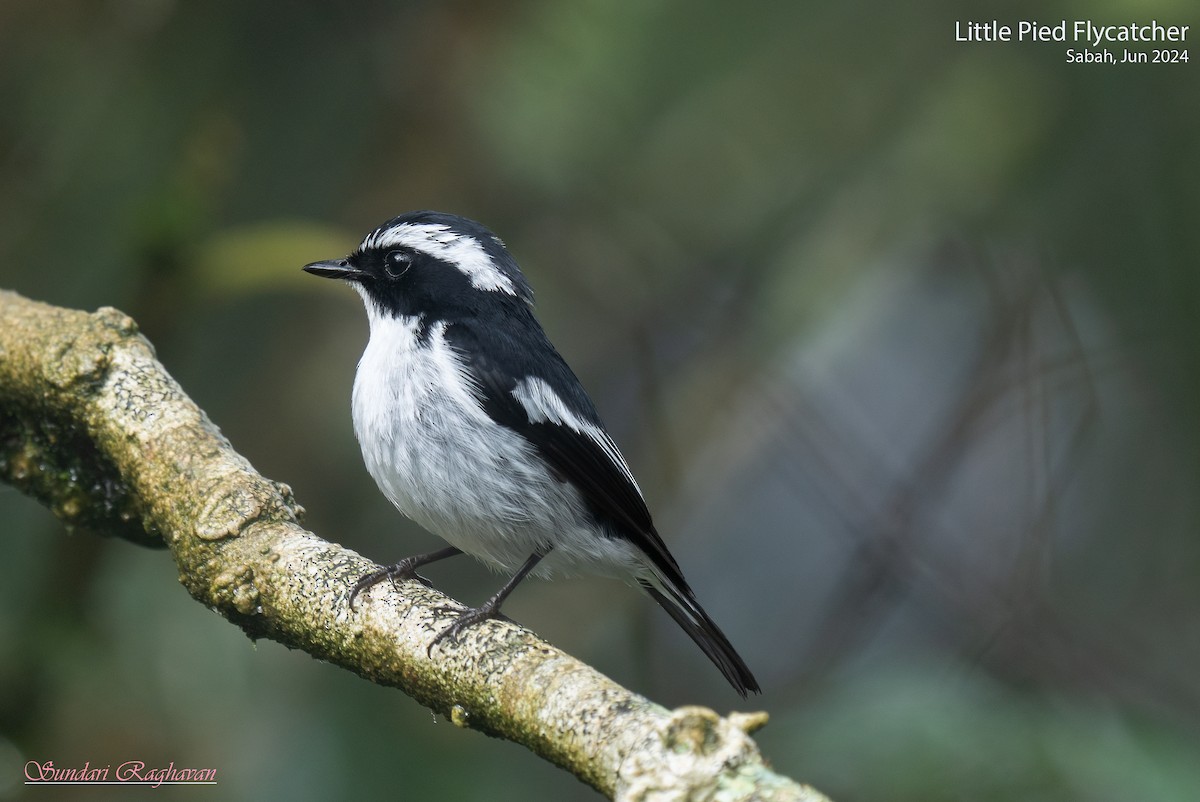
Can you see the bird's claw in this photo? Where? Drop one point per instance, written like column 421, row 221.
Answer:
column 466, row 618
column 396, row 573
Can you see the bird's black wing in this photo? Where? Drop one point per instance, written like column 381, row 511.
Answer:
column 527, row 387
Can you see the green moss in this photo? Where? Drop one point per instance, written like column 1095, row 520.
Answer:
column 60, row 466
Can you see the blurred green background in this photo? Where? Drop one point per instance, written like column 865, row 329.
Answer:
column 899, row 334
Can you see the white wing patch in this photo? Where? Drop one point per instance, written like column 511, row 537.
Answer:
column 541, row 404
column 440, row 241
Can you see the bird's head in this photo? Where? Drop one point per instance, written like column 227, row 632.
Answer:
column 429, row 263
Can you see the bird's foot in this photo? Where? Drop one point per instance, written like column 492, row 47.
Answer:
column 405, row 569
column 466, row 618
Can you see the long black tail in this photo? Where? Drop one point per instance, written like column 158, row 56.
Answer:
column 681, row 605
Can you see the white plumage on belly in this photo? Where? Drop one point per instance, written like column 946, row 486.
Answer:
column 437, row 456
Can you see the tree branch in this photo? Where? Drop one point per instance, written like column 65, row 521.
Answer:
column 94, row 427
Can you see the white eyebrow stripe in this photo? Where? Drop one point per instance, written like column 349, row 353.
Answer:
column 541, row 403
column 439, row 241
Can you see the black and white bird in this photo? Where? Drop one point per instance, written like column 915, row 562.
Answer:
column 474, row 427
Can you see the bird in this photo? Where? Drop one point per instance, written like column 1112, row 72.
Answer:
column 473, row 426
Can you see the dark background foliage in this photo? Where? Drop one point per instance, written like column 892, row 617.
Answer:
column 899, row 334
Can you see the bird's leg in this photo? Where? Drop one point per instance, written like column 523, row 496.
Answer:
column 405, row 569
column 490, row 608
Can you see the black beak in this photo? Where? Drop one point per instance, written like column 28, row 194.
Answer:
column 337, row 268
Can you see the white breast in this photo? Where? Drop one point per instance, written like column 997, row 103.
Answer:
column 445, row 464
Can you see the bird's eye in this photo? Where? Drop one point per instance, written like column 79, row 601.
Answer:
column 396, row 263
